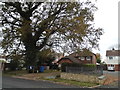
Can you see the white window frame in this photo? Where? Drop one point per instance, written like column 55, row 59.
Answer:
column 82, row 58
column 88, row 58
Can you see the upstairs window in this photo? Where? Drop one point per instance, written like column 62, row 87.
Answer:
column 88, row 58
column 110, row 58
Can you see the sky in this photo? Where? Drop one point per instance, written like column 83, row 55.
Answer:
column 106, row 17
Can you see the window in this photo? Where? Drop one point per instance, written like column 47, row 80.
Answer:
column 82, row 58
column 110, row 57
column 88, row 58
column 111, row 65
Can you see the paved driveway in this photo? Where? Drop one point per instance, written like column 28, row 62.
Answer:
column 112, row 73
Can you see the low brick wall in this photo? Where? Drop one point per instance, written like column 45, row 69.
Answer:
column 81, row 77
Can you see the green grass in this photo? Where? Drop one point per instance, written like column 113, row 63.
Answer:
column 22, row 72
column 15, row 73
column 50, row 71
column 72, row 82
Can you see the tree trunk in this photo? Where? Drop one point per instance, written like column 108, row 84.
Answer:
column 31, row 56
column 30, row 44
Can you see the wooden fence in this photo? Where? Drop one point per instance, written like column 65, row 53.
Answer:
column 85, row 70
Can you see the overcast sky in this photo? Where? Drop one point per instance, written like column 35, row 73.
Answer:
column 107, row 18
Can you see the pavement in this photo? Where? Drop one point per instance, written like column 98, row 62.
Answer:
column 10, row 82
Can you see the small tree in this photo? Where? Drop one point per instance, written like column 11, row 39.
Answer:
column 14, row 64
column 45, row 56
column 16, row 61
column 98, row 61
column 98, row 58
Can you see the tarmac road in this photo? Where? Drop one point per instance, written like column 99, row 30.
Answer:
column 10, row 82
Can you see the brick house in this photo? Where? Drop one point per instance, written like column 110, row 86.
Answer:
column 83, row 57
column 113, row 60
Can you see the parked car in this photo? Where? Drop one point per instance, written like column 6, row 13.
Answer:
column 111, row 67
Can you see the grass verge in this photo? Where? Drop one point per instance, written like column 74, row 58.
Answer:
column 73, row 82
column 15, row 73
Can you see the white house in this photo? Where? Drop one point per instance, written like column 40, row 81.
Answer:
column 113, row 59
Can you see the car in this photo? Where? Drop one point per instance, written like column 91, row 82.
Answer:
column 111, row 68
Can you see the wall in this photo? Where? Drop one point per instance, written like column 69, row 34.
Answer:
column 81, row 78
column 117, row 67
column 94, row 61
column 115, row 60
column 86, row 61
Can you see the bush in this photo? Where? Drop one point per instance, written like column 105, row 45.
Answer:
column 14, row 64
column 89, row 65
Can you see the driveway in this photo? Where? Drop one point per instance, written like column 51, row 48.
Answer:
column 10, row 82
column 112, row 73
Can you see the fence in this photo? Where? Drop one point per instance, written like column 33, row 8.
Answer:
column 85, row 70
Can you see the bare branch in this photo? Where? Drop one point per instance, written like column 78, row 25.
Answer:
column 44, row 23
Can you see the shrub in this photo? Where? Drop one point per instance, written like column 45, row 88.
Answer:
column 89, row 65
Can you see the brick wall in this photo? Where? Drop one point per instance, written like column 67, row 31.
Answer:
column 117, row 67
column 86, row 61
column 94, row 61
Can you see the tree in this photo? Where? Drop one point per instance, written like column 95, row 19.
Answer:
column 16, row 62
column 98, row 58
column 29, row 27
column 46, row 56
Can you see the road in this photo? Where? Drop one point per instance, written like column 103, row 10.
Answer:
column 9, row 82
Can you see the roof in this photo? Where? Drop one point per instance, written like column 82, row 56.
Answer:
column 113, row 53
column 70, row 58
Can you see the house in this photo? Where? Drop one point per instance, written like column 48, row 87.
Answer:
column 82, row 57
column 113, row 59
column 58, row 56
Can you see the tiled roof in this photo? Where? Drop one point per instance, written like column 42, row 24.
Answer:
column 73, row 56
column 70, row 58
column 113, row 53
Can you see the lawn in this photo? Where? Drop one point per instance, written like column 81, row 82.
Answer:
column 15, row 73
column 72, row 82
